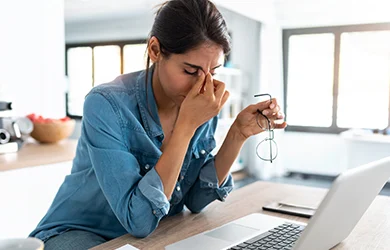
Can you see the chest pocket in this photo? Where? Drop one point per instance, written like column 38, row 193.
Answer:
column 146, row 162
column 203, row 147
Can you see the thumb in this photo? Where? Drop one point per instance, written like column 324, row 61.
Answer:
column 259, row 106
column 199, row 84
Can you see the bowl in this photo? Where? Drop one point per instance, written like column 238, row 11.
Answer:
column 52, row 132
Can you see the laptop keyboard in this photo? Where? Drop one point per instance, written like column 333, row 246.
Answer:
column 282, row 237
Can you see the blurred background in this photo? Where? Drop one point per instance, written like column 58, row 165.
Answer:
column 327, row 62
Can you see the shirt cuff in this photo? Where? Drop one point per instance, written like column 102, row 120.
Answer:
column 152, row 188
column 209, row 180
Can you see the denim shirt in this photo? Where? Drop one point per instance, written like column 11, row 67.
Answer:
column 113, row 188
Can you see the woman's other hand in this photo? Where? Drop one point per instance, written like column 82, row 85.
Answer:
column 246, row 122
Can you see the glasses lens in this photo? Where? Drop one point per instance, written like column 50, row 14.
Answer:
column 267, row 150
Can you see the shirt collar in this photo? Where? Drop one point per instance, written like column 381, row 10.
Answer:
column 147, row 104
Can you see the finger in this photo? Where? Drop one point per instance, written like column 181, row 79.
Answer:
column 220, row 89
column 273, row 104
column 280, row 115
column 277, row 117
column 225, row 97
column 204, row 84
column 271, row 112
column 217, row 83
column 281, row 125
column 209, row 86
column 259, row 106
column 197, row 88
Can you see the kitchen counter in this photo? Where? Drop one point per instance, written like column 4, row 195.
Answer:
column 35, row 154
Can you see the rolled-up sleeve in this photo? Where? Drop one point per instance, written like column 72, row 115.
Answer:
column 206, row 189
column 138, row 201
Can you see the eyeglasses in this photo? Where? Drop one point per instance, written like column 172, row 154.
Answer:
column 267, row 149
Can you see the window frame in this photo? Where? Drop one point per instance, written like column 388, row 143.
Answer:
column 336, row 31
column 121, row 45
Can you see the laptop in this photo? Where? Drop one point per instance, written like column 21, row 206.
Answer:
column 350, row 195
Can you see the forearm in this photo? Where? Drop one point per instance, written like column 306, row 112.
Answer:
column 228, row 153
column 169, row 165
column 141, row 215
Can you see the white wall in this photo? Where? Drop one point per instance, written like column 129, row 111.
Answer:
column 309, row 13
column 260, row 10
column 314, row 153
column 32, row 56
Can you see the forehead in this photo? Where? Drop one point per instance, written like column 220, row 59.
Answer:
column 209, row 54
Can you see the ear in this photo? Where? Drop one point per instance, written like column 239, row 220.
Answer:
column 154, row 50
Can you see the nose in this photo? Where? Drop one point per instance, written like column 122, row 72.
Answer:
column 205, row 71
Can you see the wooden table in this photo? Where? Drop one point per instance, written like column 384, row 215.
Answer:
column 35, row 154
column 372, row 231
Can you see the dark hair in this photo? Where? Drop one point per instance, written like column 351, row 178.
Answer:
column 182, row 25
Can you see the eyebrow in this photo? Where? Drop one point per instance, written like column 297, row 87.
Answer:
column 199, row 67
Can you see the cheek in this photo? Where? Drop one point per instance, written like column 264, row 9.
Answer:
column 177, row 84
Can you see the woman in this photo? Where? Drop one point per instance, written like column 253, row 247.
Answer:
column 144, row 151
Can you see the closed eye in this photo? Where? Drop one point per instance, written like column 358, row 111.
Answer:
column 195, row 73
column 191, row 73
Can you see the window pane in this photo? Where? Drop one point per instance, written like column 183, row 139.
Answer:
column 363, row 98
column 134, row 57
column 310, row 80
column 107, row 63
column 80, row 78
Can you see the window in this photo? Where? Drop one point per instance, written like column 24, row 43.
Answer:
column 310, row 71
column 88, row 65
column 134, row 57
column 80, row 78
column 364, row 79
column 337, row 78
column 106, row 63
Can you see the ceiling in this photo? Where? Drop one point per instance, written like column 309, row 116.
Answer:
column 288, row 13
column 83, row 10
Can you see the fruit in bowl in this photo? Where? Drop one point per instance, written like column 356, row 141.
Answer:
column 48, row 130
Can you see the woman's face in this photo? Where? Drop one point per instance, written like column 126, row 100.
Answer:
column 179, row 72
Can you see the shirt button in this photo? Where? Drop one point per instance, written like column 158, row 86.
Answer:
column 182, row 177
column 210, row 184
column 203, row 151
column 147, row 166
column 154, row 212
column 178, row 188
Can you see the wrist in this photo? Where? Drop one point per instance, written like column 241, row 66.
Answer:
column 183, row 129
column 236, row 134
